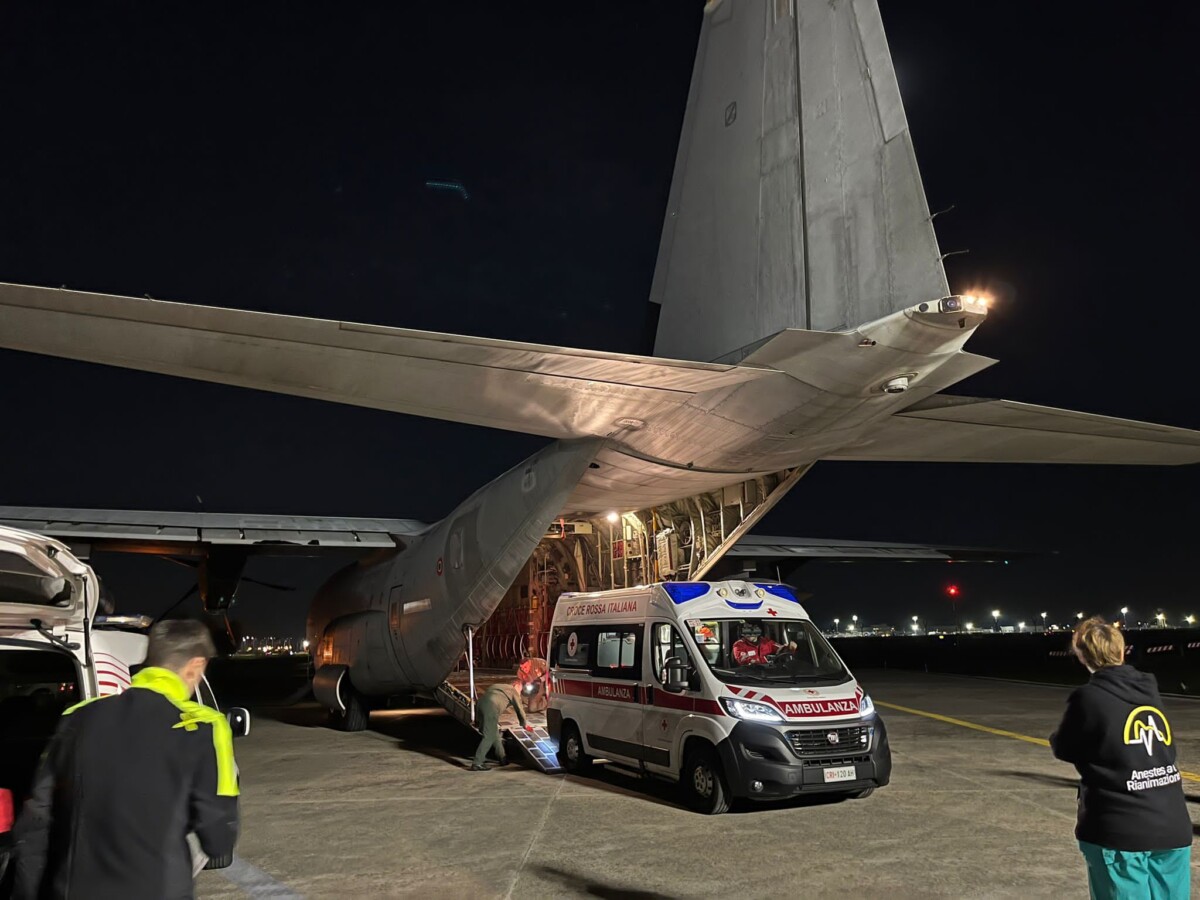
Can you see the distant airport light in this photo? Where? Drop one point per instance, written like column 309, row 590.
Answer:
column 970, row 626
column 854, row 618
column 1161, row 618
column 1020, row 626
column 1189, row 619
column 305, row 644
column 850, row 627
column 914, row 626
column 914, row 618
column 952, row 590
column 1124, row 610
column 1079, row 615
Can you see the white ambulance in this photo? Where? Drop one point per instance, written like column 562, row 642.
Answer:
column 726, row 687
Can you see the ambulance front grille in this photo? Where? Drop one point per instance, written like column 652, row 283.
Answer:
column 822, row 743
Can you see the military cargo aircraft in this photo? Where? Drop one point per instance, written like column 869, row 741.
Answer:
column 803, row 314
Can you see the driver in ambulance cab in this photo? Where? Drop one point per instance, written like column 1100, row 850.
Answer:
column 752, row 648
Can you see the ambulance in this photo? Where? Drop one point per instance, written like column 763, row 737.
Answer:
column 724, row 687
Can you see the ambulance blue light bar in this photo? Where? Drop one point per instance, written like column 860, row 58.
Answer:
column 683, row 591
column 781, row 591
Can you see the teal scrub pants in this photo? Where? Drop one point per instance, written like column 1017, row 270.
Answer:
column 1134, row 875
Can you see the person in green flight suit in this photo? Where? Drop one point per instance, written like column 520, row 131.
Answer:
column 491, row 706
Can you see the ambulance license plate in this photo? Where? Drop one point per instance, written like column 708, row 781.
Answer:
column 841, row 773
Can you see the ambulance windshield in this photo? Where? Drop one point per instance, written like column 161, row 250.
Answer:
column 757, row 651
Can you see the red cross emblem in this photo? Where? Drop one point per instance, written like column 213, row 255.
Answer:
column 771, row 612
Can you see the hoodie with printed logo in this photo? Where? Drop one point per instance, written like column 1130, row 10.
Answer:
column 1119, row 738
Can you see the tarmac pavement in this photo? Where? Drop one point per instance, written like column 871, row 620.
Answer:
column 393, row 812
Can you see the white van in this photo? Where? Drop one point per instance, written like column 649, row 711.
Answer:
column 726, row 687
column 55, row 650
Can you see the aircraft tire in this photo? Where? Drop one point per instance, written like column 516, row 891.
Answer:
column 703, row 782
column 356, row 715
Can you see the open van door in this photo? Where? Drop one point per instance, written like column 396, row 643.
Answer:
column 41, row 579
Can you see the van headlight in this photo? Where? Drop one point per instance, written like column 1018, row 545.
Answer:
column 751, row 711
column 866, row 708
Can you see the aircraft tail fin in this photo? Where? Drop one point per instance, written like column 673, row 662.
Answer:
column 796, row 200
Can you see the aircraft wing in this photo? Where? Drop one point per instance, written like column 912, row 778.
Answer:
column 531, row 388
column 798, row 549
column 181, row 533
column 944, row 428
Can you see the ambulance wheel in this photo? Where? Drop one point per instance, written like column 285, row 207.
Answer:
column 356, row 714
column 574, row 760
column 704, row 783
column 863, row 794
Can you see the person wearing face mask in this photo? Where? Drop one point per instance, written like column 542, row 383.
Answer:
column 124, row 781
column 1133, row 825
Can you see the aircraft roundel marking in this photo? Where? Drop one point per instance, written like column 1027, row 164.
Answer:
column 439, row 566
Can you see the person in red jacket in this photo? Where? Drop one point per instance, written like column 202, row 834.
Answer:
column 753, row 648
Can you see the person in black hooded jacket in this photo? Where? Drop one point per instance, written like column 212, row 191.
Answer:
column 1133, row 826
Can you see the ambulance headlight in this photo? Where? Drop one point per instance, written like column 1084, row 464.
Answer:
column 866, row 709
column 751, row 711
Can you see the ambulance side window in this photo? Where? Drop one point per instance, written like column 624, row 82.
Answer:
column 618, row 652
column 667, row 644
column 572, row 646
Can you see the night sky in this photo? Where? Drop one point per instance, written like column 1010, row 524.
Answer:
column 273, row 156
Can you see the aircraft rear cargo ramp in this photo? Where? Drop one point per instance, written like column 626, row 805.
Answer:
column 537, row 747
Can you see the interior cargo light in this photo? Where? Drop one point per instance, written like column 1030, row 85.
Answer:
column 683, row 591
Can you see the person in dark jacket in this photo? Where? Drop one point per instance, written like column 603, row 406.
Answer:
column 491, row 706
column 1133, row 825
column 125, row 779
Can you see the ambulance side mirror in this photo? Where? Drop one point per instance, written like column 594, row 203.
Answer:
column 676, row 672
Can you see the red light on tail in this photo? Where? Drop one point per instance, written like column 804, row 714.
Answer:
column 6, row 811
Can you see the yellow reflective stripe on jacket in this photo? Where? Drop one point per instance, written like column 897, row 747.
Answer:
column 191, row 716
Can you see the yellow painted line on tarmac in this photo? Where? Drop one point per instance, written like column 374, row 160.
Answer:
column 962, row 723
